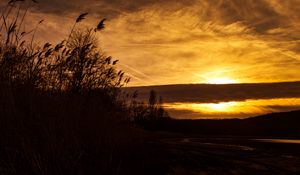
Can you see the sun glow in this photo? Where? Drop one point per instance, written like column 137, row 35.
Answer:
column 226, row 107
column 237, row 109
column 220, row 106
column 221, row 81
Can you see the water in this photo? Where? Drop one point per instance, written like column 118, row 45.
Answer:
column 279, row 141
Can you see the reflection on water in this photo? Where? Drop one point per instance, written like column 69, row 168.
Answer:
column 233, row 109
column 279, row 141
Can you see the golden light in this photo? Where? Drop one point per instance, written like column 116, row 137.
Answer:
column 225, row 107
column 220, row 106
column 221, row 81
column 234, row 108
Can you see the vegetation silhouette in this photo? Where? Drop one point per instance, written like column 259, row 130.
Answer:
column 152, row 112
column 62, row 110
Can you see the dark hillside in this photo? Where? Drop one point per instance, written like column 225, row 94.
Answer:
column 276, row 124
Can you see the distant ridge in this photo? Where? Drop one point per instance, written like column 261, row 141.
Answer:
column 283, row 124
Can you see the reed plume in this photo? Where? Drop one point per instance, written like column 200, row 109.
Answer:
column 101, row 25
column 80, row 18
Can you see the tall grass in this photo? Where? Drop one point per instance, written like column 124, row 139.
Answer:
column 61, row 109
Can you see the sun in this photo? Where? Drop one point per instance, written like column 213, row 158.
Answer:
column 221, row 81
column 225, row 106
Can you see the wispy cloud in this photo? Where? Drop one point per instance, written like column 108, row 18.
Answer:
column 188, row 41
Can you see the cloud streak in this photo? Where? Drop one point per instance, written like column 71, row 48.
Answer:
column 188, row 41
column 204, row 93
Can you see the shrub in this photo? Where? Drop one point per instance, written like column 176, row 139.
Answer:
column 60, row 109
column 151, row 112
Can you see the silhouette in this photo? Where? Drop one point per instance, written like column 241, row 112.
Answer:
column 101, row 25
column 64, row 110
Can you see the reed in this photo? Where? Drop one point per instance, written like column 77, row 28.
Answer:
column 62, row 110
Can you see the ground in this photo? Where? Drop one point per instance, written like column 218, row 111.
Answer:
column 228, row 155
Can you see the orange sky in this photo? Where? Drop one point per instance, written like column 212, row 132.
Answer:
column 192, row 41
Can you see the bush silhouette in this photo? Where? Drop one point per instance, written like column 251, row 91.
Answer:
column 75, row 65
column 61, row 107
column 142, row 113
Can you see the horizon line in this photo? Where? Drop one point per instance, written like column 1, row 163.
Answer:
column 211, row 84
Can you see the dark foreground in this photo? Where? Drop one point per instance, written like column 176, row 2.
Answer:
column 267, row 144
column 228, row 155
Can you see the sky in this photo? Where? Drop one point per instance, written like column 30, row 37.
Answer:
column 186, row 42
column 215, row 101
column 211, row 93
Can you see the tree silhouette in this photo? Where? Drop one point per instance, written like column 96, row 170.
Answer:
column 152, row 98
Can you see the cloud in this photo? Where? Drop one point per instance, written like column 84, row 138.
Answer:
column 208, row 93
column 172, row 42
column 199, row 101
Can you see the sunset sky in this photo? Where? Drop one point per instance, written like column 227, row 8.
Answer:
column 189, row 41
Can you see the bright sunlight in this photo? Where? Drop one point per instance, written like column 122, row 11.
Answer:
column 221, row 81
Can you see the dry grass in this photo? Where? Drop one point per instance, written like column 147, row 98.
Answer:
column 61, row 108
